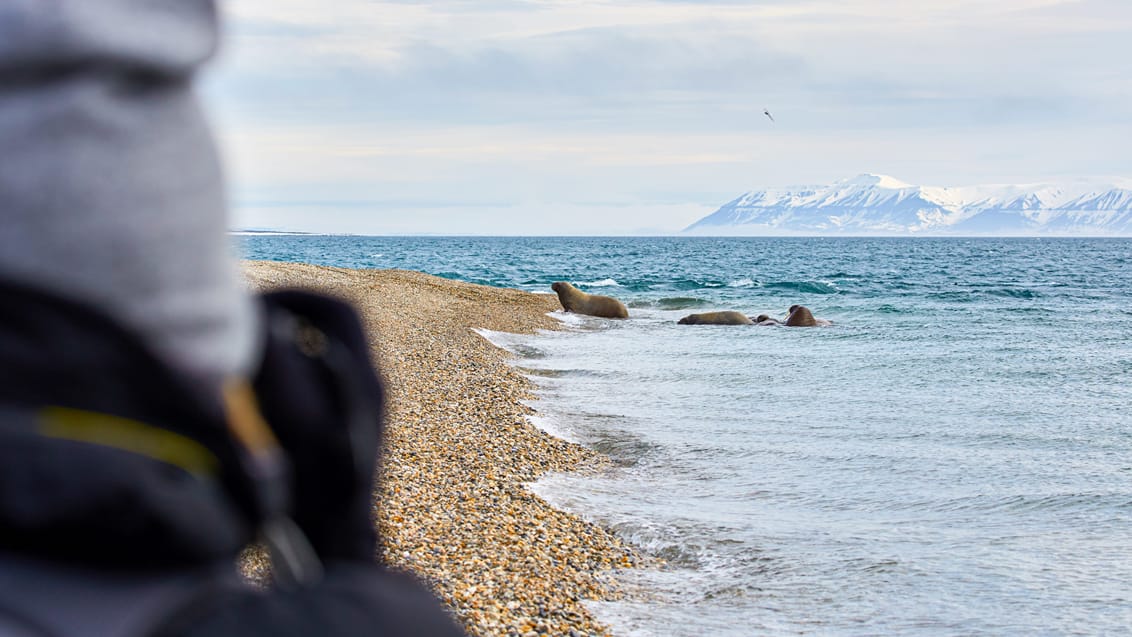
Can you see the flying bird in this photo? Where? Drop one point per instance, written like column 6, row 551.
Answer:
column 766, row 112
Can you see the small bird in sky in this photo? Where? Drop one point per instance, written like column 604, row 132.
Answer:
column 766, row 111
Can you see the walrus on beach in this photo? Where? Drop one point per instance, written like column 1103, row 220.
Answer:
column 577, row 301
column 800, row 316
column 717, row 318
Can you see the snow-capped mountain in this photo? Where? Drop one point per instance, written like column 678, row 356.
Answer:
column 882, row 205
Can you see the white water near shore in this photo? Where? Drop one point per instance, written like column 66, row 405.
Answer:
column 839, row 480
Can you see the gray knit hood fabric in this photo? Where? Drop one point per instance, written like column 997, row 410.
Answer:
column 110, row 186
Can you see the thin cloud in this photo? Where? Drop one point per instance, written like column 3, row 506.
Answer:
column 567, row 103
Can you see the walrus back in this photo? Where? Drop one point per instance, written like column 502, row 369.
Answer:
column 728, row 317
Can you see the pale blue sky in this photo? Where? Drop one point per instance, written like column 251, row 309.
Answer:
column 641, row 116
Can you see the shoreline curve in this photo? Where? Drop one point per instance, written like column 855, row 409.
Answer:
column 452, row 504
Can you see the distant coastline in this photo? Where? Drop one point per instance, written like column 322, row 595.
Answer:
column 725, row 233
column 255, row 232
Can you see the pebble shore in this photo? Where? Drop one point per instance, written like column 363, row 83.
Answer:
column 452, row 504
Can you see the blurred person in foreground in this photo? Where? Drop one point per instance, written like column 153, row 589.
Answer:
column 155, row 418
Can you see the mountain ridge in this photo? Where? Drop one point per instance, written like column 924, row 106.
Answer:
column 879, row 204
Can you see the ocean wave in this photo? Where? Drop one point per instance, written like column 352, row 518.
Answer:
column 604, row 283
column 891, row 309
column 1027, row 309
column 506, row 341
column 899, row 285
column 623, row 448
column 686, row 285
column 956, row 296
column 526, row 351
column 670, row 303
column 806, row 287
column 1027, row 502
column 660, row 544
column 569, row 318
column 551, row 426
column 541, row 372
column 1015, row 293
column 742, row 283
column 970, row 295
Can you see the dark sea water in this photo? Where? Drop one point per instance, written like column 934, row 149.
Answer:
column 952, row 457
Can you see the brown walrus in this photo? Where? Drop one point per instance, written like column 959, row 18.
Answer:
column 717, row 318
column 800, row 316
column 577, row 301
column 766, row 319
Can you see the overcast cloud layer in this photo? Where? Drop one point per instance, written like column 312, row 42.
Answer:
column 586, row 117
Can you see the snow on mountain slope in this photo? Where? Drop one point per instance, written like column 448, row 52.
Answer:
column 879, row 204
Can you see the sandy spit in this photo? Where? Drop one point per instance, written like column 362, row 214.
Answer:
column 451, row 504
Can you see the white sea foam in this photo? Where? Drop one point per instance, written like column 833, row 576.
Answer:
column 604, row 283
column 552, row 426
column 571, row 319
column 497, row 339
column 741, row 283
column 506, row 341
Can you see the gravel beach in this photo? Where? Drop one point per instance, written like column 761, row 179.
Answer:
column 452, row 505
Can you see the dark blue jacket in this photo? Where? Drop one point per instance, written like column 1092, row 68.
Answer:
column 126, row 493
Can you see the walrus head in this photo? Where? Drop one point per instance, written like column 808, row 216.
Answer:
column 800, row 316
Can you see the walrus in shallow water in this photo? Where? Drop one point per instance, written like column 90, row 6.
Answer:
column 766, row 319
column 800, row 316
column 717, row 318
column 577, row 301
